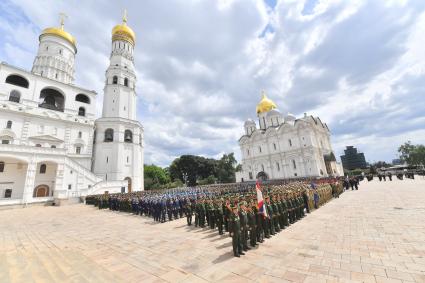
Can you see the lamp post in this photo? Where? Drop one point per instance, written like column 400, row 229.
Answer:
column 185, row 178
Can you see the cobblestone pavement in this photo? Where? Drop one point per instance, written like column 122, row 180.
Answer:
column 376, row 234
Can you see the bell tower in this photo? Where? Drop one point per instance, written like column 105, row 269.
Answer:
column 119, row 136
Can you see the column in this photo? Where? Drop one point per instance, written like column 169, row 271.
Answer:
column 29, row 182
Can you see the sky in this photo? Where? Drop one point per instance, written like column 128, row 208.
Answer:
column 201, row 66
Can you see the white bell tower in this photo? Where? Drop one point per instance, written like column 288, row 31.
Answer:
column 119, row 136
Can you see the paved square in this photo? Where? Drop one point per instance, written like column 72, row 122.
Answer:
column 376, row 234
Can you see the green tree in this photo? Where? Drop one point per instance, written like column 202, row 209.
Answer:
column 412, row 154
column 155, row 177
column 227, row 168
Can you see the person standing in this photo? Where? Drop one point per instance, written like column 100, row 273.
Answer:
column 236, row 233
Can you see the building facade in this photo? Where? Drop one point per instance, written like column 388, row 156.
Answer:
column 352, row 159
column 48, row 128
column 285, row 147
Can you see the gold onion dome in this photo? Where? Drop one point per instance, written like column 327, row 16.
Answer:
column 265, row 105
column 60, row 32
column 123, row 32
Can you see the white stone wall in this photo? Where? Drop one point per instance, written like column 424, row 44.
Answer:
column 276, row 148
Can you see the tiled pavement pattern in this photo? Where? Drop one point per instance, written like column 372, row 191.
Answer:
column 376, row 234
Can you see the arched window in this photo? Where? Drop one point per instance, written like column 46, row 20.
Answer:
column 109, row 135
column 128, row 136
column 15, row 96
column 1, row 166
column 43, row 168
column 82, row 98
column 115, row 80
column 52, row 99
column 80, row 134
column 125, row 82
column 9, row 125
column 81, row 111
column 17, row 80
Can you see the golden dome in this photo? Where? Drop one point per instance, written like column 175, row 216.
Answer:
column 123, row 32
column 61, row 33
column 265, row 105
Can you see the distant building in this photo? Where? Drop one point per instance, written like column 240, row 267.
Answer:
column 285, row 147
column 353, row 159
column 396, row 162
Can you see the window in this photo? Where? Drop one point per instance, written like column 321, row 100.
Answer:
column 128, row 136
column 80, row 134
column 15, row 96
column 81, row 111
column 43, row 169
column 17, row 80
column 125, row 82
column 8, row 193
column 56, row 76
column 274, row 145
column 52, row 99
column 262, row 167
column 247, row 152
column 290, row 142
column 9, row 125
column 115, row 80
column 69, row 186
column 1, row 166
column 5, row 142
column 278, row 166
column 127, row 159
column 60, row 51
column 82, row 98
column 259, row 149
column 47, row 48
column 78, row 149
column 38, row 145
column 294, row 165
column 109, row 135
column 107, row 159
column 53, row 146
column 250, row 175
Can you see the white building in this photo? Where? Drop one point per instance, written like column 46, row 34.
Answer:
column 52, row 147
column 285, row 147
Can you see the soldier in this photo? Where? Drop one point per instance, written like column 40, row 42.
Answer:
column 189, row 213
column 219, row 216
column 236, row 233
column 252, row 225
column 244, row 226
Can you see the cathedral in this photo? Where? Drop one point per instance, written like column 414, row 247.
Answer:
column 53, row 149
column 285, row 147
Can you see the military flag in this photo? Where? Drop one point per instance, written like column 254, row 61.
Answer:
column 260, row 200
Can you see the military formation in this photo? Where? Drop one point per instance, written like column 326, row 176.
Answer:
column 229, row 208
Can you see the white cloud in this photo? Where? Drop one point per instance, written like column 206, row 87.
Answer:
column 201, row 65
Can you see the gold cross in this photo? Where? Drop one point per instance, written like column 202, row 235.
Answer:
column 62, row 17
column 124, row 17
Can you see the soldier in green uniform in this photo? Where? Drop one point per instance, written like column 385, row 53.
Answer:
column 252, row 225
column 189, row 212
column 236, row 232
column 219, row 216
column 244, row 225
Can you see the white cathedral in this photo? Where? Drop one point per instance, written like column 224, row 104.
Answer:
column 52, row 146
column 285, row 147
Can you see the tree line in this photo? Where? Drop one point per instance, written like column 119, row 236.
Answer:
column 191, row 170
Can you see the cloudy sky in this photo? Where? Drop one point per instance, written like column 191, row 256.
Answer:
column 201, row 65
